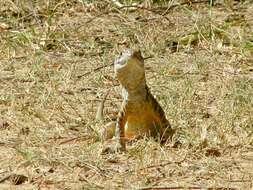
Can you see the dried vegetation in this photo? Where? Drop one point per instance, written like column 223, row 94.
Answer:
column 55, row 59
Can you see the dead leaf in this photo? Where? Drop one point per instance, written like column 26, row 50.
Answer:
column 4, row 124
column 15, row 179
column 213, row 152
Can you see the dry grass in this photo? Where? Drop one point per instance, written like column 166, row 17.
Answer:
column 201, row 72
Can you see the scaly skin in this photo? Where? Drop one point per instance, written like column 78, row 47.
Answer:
column 140, row 114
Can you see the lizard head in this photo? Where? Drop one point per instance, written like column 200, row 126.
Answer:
column 129, row 69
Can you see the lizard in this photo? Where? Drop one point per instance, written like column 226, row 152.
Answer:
column 140, row 113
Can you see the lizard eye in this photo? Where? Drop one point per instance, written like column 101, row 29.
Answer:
column 119, row 55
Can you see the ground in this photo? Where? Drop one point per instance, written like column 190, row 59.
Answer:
column 55, row 67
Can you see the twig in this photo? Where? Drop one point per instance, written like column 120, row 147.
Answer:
column 104, row 66
column 83, row 178
column 119, row 8
column 185, row 187
column 184, row 3
column 71, row 139
column 100, row 109
column 15, row 57
column 163, row 164
column 154, row 10
column 169, row 188
column 3, row 179
column 96, row 169
column 94, row 70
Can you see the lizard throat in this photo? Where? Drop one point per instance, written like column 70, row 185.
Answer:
column 136, row 94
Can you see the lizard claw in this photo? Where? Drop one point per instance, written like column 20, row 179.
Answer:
column 117, row 148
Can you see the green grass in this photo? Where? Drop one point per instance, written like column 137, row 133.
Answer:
column 200, row 71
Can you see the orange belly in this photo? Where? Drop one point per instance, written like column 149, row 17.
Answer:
column 146, row 123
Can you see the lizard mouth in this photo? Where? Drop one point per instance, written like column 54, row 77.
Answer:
column 122, row 59
column 120, row 63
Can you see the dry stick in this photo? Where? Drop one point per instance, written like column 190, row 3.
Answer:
column 164, row 164
column 147, row 9
column 119, row 8
column 100, row 110
column 94, row 70
column 3, row 179
column 184, row 3
column 97, row 169
column 83, row 178
column 170, row 188
column 103, row 66
column 183, row 187
column 71, row 139
column 15, row 179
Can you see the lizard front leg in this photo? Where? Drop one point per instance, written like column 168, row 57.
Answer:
column 120, row 132
column 119, row 128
